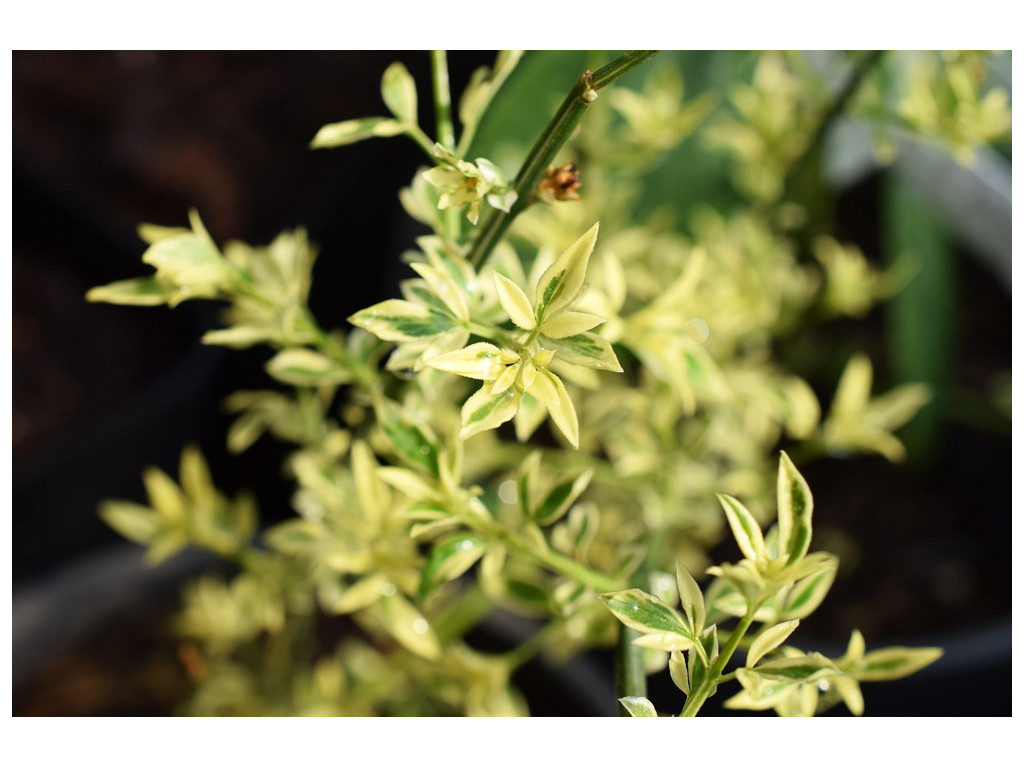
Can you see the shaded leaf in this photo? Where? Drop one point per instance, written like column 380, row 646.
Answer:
column 398, row 89
column 638, row 706
column 351, row 131
column 770, row 639
column 449, row 560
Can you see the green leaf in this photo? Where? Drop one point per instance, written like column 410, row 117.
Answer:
column 895, row 662
column 398, row 90
column 808, row 593
column 139, row 292
column 795, row 508
column 690, row 597
column 408, row 440
column 560, row 282
column 351, row 131
column 449, row 560
column 638, row 706
column 400, row 320
column 586, row 349
column 770, row 639
column 561, row 497
column 808, row 668
column 306, row 368
column 527, row 486
column 745, row 529
column 645, row 613
column 484, row 410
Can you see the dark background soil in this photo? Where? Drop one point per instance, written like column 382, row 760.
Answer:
column 105, row 140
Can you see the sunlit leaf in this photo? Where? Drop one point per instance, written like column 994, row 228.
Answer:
column 550, row 390
column 400, row 320
column 745, row 529
column 560, row 283
column 795, row 507
column 485, row 410
column 645, row 613
column 895, row 662
column 515, row 302
column 586, row 349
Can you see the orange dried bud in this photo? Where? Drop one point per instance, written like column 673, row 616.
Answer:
column 192, row 661
column 560, row 183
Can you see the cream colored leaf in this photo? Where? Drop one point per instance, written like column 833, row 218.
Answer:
column 550, row 390
column 569, row 323
column 638, row 706
column 409, row 627
column 560, row 283
column 515, row 302
column 398, row 89
column 486, row 410
column 769, row 640
column 481, row 361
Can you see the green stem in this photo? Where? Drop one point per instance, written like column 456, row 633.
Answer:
column 442, row 100
column 445, row 128
column 535, row 644
column 416, row 133
column 630, row 673
column 546, row 147
column 861, row 69
column 464, row 613
column 714, row 675
column 559, row 563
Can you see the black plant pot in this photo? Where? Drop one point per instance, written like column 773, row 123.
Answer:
column 64, row 624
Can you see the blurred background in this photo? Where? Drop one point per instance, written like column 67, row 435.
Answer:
column 105, row 140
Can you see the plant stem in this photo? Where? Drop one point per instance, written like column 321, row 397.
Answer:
column 559, row 563
column 630, row 672
column 442, row 100
column 630, row 675
column 714, row 675
column 445, row 128
column 861, row 69
column 463, row 614
column 546, row 147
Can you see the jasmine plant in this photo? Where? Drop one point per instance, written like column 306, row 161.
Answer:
column 562, row 410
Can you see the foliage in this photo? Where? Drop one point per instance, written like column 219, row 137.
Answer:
column 542, row 420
